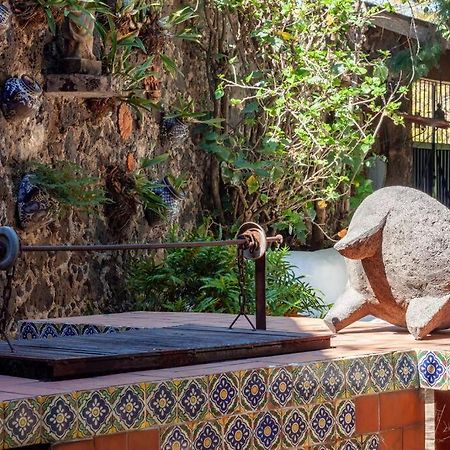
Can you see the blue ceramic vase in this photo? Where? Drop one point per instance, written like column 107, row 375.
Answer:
column 35, row 208
column 5, row 18
column 20, row 97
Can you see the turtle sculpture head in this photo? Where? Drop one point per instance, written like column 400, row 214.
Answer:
column 398, row 258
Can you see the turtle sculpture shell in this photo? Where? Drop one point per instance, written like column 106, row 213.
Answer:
column 398, row 256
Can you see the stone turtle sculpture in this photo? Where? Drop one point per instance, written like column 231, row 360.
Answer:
column 398, row 250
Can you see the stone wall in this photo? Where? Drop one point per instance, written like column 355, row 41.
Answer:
column 49, row 285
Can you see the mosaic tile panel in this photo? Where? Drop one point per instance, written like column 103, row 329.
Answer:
column 345, row 418
column 207, row 436
column 281, row 387
column 406, row 375
column 432, row 369
column 267, row 431
column 177, row 437
column 161, row 403
column 253, row 390
column 295, row 431
column 193, row 402
column 238, row 433
column 224, row 394
column 22, row 422
column 332, row 380
column 382, row 372
column 128, row 408
column 59, row 418
column 322, row 423
column 306, row 385
column 357, row 376
column 49, row 330
column 95, row 413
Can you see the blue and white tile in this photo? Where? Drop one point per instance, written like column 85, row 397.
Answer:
column 322, row 423
column 59, row 418
column 95, row 414
column 295, row 428
column 128, row 407
column 382, row 372
column 345, row 418
column 406, row 375
column 349, row 444
column 371, row 442
column 69, row 329
column 432, row 368
column 267, row 432
column 28, row 330
column 332, row 380
column 281, row 387
column 193, row 402
column 224, row 394
column 207, row 436
column 253, row 390
column 49, row 330
column 22, row 423
column 176, row 437
column 161, row 403
column 357, row 376
column 238, row 432
column 306, row 384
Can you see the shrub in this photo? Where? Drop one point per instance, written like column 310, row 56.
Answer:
column 205, row 280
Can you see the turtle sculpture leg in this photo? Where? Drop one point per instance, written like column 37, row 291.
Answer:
column 425, row 314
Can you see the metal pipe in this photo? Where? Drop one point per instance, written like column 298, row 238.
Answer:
column 260, row 292
column 148, row 246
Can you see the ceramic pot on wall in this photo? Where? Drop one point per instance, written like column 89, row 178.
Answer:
column 35, row 208
column 173, row 131
column 20, row 97
column 171, row 198
column 5, row 18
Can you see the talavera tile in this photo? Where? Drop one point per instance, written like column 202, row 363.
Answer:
column 322, row 423
column 95, row 413
column 382, row 372
column 128, row 408
column 193, row 402
column 176, row 437
column 161, row 403
column 267, row 432
column 295, row 428
column 432, row 369
column 406, row 375
column 349, row 444
column 22, row 424
column 306, row 384
column 332, row 380
column 357, row 376
column 345, row 418
column 253, row 390
column 59, row 418
column 207, row 436
column 238, row 432
column 281, row 387
column 224, row 394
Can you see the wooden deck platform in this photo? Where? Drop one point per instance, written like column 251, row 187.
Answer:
column 144, row 349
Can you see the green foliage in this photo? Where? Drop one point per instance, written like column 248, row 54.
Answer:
column 69, row 184
column 205, row 280
column 306, row 102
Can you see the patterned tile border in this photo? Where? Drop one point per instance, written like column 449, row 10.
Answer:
column 276, row 407
column 30, row 329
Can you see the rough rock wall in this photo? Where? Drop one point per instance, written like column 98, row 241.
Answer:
column 62, row 284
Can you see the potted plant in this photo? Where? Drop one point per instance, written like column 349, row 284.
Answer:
column 48, row 192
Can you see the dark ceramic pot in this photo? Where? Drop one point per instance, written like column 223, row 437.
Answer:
column 5, row 18
column 173, row 131
column 20, row 97
column 170, row 197
column 35, row 208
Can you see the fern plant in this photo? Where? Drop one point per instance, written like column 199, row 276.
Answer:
column 69, row 185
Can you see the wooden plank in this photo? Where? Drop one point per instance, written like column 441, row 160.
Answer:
column 144, row 349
